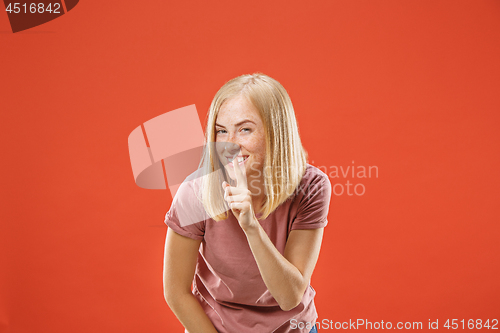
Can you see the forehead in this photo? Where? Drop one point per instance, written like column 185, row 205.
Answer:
column 236, row 109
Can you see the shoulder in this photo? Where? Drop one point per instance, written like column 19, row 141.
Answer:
column 312, row 200
column 312, row 183
column 314, row 176
column 190, row 187
column 187, row 203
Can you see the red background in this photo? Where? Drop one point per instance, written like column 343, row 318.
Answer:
column 408, row 86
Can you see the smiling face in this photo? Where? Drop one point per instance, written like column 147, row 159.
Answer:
column 239, row 122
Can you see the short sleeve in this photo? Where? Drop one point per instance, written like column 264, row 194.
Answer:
column 186, row 215
column 314, row 203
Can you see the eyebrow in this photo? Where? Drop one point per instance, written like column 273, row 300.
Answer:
column 240, row 123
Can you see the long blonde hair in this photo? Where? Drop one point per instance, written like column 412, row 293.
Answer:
column 286, row 159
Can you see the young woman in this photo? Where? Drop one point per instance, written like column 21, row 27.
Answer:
column 258, row 210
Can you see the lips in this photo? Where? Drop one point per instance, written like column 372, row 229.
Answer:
column 230, row 158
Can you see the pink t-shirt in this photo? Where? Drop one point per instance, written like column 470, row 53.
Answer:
column 227, row 281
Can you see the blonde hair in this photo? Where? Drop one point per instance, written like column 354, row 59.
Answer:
column 285, row 161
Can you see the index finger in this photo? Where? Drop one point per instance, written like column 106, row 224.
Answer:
column 241, row 179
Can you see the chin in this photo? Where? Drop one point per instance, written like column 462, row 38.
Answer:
column 231, row 174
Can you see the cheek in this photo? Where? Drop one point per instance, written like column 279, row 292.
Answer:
column 260, row 148
column 218, row 148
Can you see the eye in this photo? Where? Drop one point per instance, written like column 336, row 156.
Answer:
column 219, row 131
column 246, row 129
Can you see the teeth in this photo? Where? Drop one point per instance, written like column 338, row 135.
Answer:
column 240, row 159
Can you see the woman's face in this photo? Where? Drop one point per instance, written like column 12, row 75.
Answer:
column 239, row 122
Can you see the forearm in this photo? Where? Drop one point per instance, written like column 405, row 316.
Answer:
column 190, row 313
column 283, row 280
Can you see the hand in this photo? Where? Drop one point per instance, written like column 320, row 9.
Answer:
column 239, row 198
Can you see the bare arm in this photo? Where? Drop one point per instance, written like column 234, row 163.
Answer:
column 178, row 271
column 286, row 276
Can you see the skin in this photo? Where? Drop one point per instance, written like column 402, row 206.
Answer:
column 239, row 122
column 178, row 271
column 286, row 276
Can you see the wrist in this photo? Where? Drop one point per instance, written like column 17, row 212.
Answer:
column 253, row 228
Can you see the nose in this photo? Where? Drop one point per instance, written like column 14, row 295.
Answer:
column 232, row 145
column 232, row 148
